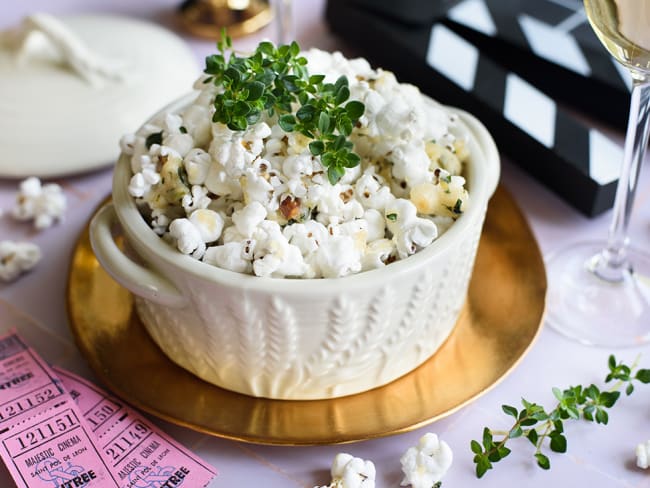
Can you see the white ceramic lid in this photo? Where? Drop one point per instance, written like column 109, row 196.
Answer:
column 70, row 87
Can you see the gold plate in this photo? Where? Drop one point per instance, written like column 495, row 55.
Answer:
column 501, row 318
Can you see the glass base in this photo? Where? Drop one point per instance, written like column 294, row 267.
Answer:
column 595, row 304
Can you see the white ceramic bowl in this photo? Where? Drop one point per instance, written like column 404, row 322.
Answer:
column 298, row 338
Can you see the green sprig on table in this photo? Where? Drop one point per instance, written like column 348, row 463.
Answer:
column 275, row 80
column 537, row 425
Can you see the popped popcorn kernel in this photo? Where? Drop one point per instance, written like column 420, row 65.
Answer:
column 44, row 204
column 188, row 237
column 351, row 472
column 17, row 258
column 643, row 455
column 425, row 464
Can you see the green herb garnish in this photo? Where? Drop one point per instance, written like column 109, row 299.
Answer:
column 457, row 207
column 275, row 80
column 537, row 425
column 182, row 175
column 392, row 217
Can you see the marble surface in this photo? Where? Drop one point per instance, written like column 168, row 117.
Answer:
column 598, row 456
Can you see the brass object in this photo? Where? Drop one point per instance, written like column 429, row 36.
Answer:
column 501, row 318
column 206, row 18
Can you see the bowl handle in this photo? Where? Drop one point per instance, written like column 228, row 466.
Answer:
column 133, row 276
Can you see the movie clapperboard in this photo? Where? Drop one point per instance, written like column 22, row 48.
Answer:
column 532, row 70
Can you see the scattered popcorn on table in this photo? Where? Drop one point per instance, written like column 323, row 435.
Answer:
column 44, row 204
column 426, row 464
column 351, row 472
column 257, row 201
column 643, row 455
column 17, row 258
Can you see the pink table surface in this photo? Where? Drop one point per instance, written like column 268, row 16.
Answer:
column 597, row 456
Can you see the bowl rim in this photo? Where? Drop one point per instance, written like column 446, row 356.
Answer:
column 482, row 178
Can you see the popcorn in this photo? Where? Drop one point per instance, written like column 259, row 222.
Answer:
column 376, row 224
column 172, row 123
column 137, row 186
column 188, row 237
column 181, row 143
column 209, row 224
column 415, row 236
column 399, row 213
column 274, row 255
column 197, row 199
column 338, row 256
column 127, row 143
column 410, row 163
column 248, row 218
column 426, row 464
column 377, row 254
column 351, row 472
column 142, row 182
column 258, row 201
column 297, row 165
column 371, row 192
column 307, row 237
column 44, row 204
column 279, row 260
column 197, row 121
column 197, row 165
column 218, row 182
column 17, row 258
column 643, row 455
column 159, row 221
column 235, row 150
column 256, row 188
column 228, row 256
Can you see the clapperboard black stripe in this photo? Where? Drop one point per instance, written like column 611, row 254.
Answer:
column 500, row 12
column 572, row 141
column 576, row 76
column 484, row 88
column 493, row 87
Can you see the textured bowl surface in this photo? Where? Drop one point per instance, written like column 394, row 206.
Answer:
column 300, row 339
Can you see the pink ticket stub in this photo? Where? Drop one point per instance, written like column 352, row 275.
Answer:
column 27, row 385
column 139, row 454
column 46, row 443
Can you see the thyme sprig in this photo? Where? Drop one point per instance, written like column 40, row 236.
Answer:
column 541, row 427
column 275, row 80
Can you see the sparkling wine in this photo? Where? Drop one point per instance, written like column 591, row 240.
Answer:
column 623, row 26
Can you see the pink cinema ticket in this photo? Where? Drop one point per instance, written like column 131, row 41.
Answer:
column 139, row 454
column 27, row 385
column 44, row 440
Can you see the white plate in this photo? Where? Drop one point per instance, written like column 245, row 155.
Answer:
column 54, row 123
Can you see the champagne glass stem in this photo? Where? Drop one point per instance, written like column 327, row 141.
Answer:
column 284, row 21
column 612, row 264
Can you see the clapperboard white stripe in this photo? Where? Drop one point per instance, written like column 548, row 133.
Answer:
column 456, row 58
column 554, row 45
column 526, row 107
column 530, row 110
column 543, row 31
column 474, row 14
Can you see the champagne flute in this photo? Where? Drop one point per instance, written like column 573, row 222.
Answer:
column 599, row 292
column 284, row 21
